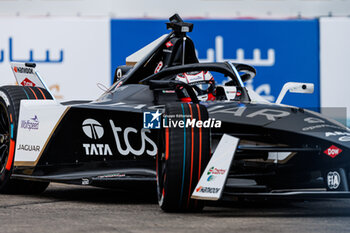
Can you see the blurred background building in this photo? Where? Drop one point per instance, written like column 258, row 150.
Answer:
column 79, row 43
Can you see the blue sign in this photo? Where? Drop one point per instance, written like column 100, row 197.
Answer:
column 151, row 120
column 281, row 50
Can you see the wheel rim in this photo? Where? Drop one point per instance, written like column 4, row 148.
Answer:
column 4, row 137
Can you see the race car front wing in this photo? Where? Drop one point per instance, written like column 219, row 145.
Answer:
column 216, row 183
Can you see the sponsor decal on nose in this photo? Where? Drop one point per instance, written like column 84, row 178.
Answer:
column 333, row 180
column 333, row 151
column 207, row 189
column 31, row 124
column 93, row 129
column 27, row 82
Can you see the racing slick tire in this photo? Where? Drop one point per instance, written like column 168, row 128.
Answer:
column 10, row 98
column 184, row 154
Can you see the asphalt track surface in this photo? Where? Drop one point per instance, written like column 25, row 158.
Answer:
column 68, row 208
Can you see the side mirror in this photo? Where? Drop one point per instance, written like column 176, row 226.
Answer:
column 294, row 87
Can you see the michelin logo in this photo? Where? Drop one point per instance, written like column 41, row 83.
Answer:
column 151, row 120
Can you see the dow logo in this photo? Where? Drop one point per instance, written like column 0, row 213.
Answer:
column 93, row 129
column 333, row 151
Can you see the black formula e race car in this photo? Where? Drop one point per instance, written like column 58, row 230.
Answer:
column 166, row 121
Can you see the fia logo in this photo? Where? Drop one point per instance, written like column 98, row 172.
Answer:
column 151, row 120
column 333, row 180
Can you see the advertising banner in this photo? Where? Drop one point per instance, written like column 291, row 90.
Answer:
column 335, row 78
column 280, row 50
column 72, row 54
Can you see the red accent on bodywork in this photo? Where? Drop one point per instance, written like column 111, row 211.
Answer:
column 27, row 82
column 332, row 151
column 186, row 99
column 168, row 44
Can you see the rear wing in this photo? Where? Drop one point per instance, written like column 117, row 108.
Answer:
column 26, row 75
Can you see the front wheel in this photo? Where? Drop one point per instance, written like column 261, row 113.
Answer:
column 10, row 98
column 183, row 155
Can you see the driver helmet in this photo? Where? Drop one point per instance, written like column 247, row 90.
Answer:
column 202, row 82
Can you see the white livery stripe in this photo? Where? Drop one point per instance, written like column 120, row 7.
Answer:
column 213, row 179
column 37, row 120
